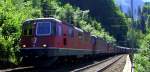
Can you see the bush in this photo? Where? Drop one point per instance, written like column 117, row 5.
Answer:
column 12, row 14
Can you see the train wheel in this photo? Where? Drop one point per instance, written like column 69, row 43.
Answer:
column 45, row 62
column 26, row 60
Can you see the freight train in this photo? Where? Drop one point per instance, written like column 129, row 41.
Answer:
column 51, row 38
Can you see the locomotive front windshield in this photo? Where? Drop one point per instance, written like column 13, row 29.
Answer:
column 27, row 29
column 43, row 28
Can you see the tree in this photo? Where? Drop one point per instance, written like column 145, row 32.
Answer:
column 106, row 12
column 12, row 14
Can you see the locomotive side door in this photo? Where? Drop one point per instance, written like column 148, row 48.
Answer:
column 64, row 36
column 59, row 35
column 93, row 42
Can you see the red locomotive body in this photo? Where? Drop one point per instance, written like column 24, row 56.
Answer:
column 52, row 37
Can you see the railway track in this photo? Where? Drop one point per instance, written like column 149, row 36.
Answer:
column 99, row 66
column 18, row 69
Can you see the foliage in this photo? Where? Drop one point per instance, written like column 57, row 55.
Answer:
column 142, row 59
column 105, row 11
column 147, row 22
column 134, row 37
column 12, row 14
column 146, row 9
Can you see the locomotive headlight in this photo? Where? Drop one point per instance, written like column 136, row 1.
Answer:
column 23, row 46
column 44, row 45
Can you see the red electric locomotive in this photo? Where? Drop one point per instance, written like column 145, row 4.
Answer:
column 52, row 37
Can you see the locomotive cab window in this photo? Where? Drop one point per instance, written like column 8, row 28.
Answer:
column 43, row 28
column 27, row 29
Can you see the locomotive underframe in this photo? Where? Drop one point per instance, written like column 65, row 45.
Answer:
column 49, row 52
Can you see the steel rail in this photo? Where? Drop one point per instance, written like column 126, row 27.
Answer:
column 98, row 63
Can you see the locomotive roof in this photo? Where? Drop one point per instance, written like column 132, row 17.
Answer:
column 50, row 18
column 93, row 36
column 78, row 29
column 45, row 19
